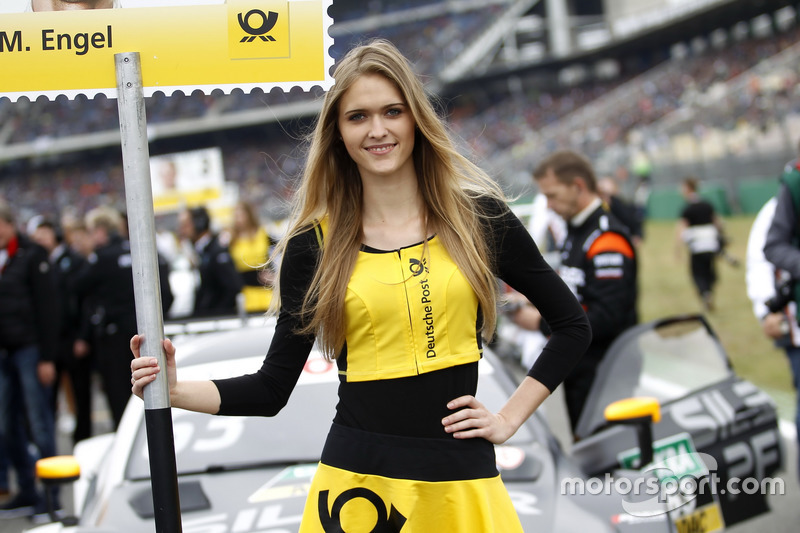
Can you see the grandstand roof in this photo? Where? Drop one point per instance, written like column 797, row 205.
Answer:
column 653, row 38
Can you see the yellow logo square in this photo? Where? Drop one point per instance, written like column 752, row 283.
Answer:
column 258, row 29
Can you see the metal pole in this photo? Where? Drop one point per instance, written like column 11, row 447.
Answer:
column 147, row 291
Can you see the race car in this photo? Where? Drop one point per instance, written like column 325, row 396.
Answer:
column 249, row 474
column 716, row 429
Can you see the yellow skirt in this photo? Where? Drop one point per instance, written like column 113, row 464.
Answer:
column 370, row 483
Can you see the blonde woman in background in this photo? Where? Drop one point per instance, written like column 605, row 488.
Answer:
column 249, row 248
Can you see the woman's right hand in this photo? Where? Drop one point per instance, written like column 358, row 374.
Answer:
column 145, row 369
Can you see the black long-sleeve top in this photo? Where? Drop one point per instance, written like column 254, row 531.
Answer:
column 410, row 406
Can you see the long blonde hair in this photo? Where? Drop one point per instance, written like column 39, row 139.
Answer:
column 331, row 186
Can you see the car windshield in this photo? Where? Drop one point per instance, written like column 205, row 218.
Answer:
column 666, row 360
column 296, row 435
column 683, row 354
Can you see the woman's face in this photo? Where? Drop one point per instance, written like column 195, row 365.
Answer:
column 64, row 5
column 377, row 128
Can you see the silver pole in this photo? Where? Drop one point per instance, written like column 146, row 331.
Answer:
column 141, row 220
column 147, row 290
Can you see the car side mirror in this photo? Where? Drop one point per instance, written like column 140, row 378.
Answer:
column 641, row 413
column 57, row 470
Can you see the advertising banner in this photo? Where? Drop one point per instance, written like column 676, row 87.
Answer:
column 192, row 178
column 67, row 47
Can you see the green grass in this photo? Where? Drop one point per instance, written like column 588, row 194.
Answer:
column 666, row 289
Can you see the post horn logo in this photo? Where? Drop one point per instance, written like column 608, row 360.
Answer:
column 387, row 522
column 417, row 267
column 267, row 23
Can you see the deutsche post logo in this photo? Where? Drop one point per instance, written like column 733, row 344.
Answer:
column 390, row 521
column 267, row 23
column 417, row 267
column 258, row 29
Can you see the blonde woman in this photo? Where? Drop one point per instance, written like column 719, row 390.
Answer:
column 390, row 265
column 249, row 248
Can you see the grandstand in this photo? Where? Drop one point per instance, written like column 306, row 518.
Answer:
column 706, row 87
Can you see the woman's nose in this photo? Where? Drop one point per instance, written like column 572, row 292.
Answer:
column 377, row 128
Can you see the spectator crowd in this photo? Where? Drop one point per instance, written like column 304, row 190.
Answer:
column 508, row 130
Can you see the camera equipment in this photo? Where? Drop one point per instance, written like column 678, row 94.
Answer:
column 784, row 293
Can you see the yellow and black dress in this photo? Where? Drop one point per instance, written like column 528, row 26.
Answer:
column 249, row 255
column 412, row 345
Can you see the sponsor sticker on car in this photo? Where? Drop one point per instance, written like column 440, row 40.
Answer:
column 706, row 519
column 685, row 488
column 674, row 457
column 509, row 457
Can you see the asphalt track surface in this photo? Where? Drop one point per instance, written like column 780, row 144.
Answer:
column 783, row 518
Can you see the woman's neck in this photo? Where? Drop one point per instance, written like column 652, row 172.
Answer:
column 391, row 201
column 393, row 217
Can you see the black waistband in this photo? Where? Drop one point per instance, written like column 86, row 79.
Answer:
column 392, row 456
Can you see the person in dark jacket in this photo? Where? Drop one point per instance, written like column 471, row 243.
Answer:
column 781, row 251
column 107, row 281
column 67, row 263
column 781, row 248
column 28, row 346
column 220, row 282
column 598, row 262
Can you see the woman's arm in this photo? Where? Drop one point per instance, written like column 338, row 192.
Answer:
column 521, row 265
column 472, row 419
column 200, row 396
column 265, row 392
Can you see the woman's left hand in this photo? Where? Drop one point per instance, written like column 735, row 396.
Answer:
column 471, row 419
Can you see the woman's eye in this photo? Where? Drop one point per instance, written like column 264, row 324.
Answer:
column 356, row 117
column 393, row 112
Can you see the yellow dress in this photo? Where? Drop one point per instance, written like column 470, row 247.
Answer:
column 249, row 255
column 373, row 482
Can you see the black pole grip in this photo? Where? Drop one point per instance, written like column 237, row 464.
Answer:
column 163, row 470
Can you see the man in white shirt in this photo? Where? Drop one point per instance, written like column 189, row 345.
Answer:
column 778, row 319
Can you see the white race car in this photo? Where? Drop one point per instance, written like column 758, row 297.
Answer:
column 250, row 474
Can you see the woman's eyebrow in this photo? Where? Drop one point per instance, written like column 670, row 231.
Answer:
column 386, row 106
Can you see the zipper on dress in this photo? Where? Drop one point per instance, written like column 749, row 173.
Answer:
column 408, row 309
